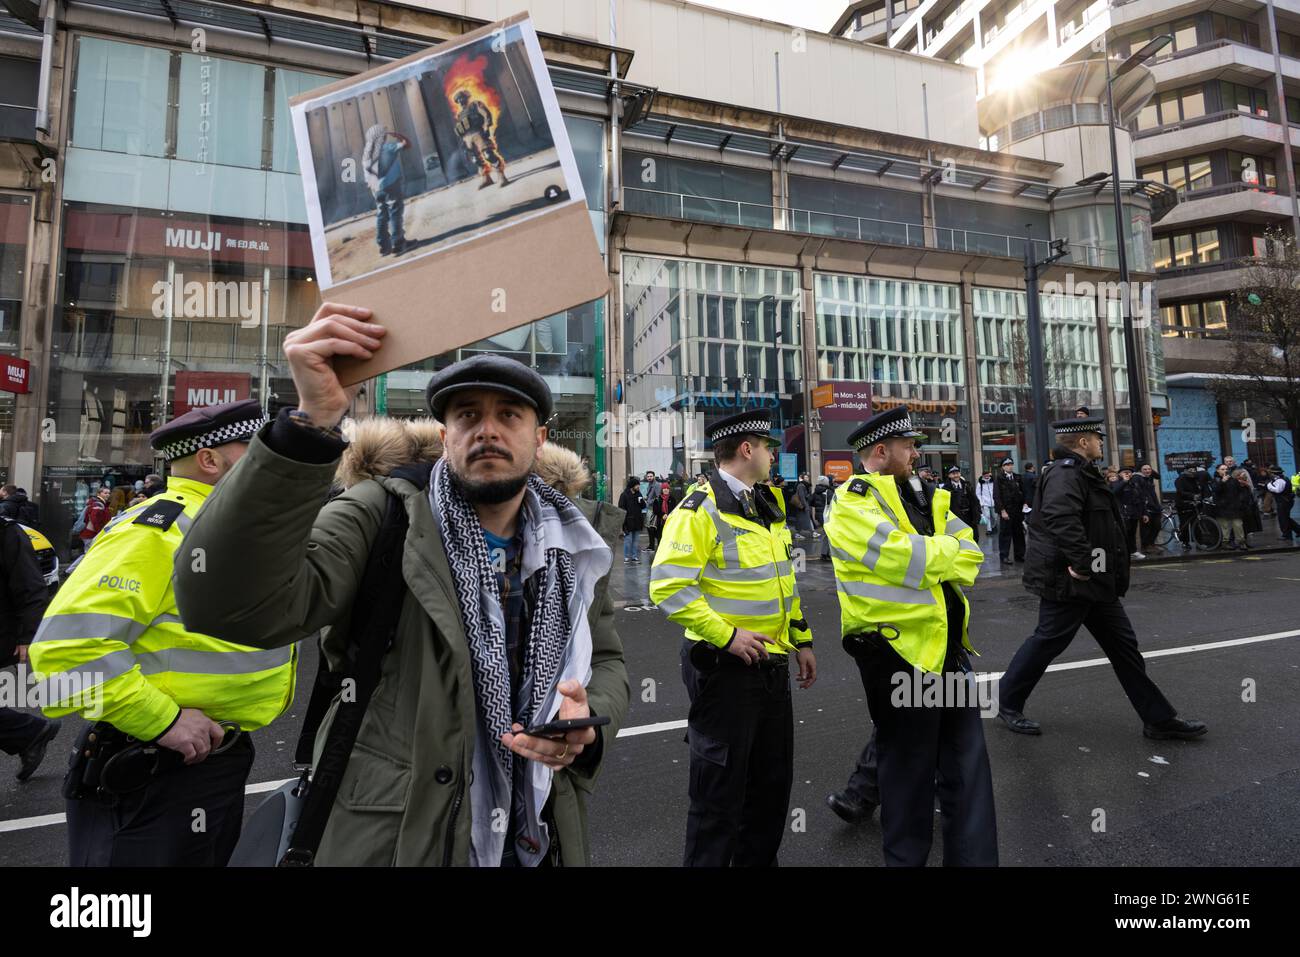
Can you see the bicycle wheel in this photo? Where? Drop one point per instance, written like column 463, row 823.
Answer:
column 1206, row 534
column 1168, row 528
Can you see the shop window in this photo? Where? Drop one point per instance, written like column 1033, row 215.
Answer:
column 15, row 222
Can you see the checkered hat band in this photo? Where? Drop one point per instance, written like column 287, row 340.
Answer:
column 752, row 427
column 884, row 432
column 231, row 432
column 1083, row 427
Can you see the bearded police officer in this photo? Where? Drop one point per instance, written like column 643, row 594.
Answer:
column 900, row 557
column 1078, row 565
column 158, row 778
column 724, row 572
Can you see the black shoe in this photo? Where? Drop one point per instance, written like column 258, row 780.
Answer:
column 1005, row 560
column 1018, row 723
column 32, row 755
column 850, row 809
column 1175, row 728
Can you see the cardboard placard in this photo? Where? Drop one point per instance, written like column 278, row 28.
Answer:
column 442, row 193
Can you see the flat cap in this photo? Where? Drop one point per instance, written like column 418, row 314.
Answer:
column 1091, row 423
column 498, row 373
column 895, row 423
column 208, row 427
column 749, row 422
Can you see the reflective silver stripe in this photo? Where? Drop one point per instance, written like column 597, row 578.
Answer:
column 106, row 668
column 167, row 619
column 900, row 596
column 876, row 542
column 783, row 568
column 726, row 534
column 915, row 564
column 192, row 662
column 967, row 545
column 955, row 525
column 90, row 625
column 759, row 573
column 742, row 606
column 667, row 570
column 883, row 504
column 680, row 599
column 183, row 522
column 842, row 555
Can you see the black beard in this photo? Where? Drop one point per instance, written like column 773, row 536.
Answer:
column 491, row 492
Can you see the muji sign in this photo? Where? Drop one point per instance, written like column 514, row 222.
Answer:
column 16, row 374
column 195, row 390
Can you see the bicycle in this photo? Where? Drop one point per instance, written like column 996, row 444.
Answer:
column 1204, row 532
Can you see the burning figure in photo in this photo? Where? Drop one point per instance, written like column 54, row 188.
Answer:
column 475, row 126
column 383, row 171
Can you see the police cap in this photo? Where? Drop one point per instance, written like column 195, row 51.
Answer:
column 498, row 373
column 749, row 422
column 1091, row 423
column 208, row 427
column 895, row 423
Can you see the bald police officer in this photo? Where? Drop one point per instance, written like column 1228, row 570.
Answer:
column 158, row 777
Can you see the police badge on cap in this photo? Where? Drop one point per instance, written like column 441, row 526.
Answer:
column 895, row 423
column 208, row 427
column 752, row 422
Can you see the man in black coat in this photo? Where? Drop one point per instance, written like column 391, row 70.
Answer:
column 1079, row 567
column 1132, row 505
column 964, row 501
column 23, row 596
column 1009, row 501
column 1188, row 490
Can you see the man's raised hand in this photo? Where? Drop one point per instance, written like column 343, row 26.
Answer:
column 335, row 330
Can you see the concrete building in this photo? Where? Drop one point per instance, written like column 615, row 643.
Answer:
column 773, row 237
column 1220, row 129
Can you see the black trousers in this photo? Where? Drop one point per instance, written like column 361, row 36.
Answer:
column 741, row 733
column 923, row 750
column 1286, row 525
column 1107, row 622
column 1186, row 516
column 1012, row 531
column 864, row 783
column 18, row 730
column 159, row 825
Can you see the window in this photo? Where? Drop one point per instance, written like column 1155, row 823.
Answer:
column 1162, row 252
column 1207, row 246
column 1198, row 173
column 1184, row 35
column 1244, row 99
column 1194, row 248
column 1182, row 249
column 1264, row 170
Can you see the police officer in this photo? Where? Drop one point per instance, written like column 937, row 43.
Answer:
column 1079, row 566
column 724, row 572
column 900, row 555
column 158, row 778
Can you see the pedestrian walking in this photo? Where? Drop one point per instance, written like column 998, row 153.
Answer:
column 1079, row 568
column 984, row 493
column 633, row 505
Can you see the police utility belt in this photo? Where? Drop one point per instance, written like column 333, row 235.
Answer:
column 107, row 762
column 706, row 656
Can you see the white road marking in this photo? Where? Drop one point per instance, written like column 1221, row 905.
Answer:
column 45, row 820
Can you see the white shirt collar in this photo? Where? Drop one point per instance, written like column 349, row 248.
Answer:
column 733, row 483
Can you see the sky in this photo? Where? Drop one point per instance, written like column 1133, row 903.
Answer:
column 810, row 14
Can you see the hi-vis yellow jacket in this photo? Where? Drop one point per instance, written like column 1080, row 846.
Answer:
column 886, row 573
column 716, row 570
column 113, row 634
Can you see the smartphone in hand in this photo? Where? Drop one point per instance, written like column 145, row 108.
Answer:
column 562, row 725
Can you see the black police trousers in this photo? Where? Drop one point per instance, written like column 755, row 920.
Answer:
column 1058, row 623
column 741, row 733
column 160, row 825
column 863, row 782
column 1011, row 533
column 18, row 729
column 922, row 750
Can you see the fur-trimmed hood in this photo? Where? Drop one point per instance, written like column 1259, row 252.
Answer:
column 378, row 445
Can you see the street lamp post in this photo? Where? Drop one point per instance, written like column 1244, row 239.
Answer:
column 1136, row 390
column 1033, row 319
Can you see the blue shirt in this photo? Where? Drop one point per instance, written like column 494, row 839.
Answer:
column 390, row 165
